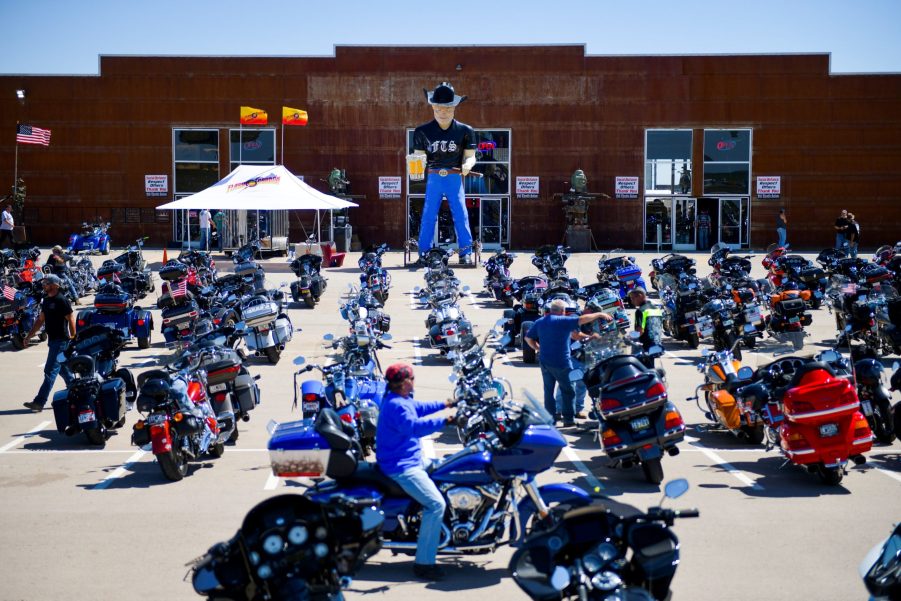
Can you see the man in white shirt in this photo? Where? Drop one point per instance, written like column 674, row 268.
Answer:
column 205, row 219
column 6, row 227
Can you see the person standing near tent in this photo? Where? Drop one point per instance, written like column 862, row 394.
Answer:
column 449, row 148
column 219, row 220
column 205, row 220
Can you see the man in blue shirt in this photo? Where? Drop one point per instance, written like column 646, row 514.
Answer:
column 550, row 336
column 402, row 422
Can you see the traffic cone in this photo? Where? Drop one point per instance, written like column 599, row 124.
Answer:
column 165, row 255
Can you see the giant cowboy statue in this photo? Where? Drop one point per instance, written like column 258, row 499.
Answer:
column 448, row 149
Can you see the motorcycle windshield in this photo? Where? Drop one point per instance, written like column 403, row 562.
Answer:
column 536, row 413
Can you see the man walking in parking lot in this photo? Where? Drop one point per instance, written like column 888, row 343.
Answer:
column 59, row 322
column 550, row 337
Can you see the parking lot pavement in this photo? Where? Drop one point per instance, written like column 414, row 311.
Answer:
column 103, row 524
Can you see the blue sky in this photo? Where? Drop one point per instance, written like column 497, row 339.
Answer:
column 66, row 36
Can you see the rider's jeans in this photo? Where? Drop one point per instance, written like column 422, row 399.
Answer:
column 416, row 483
column 52, row 368
column 436, row 188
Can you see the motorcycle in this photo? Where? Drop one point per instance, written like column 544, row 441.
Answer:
column 723, row 374
column 667, row 268
column 811, row 413
column 498, row 280
column 114, row 308
column 268, row 329
column 309, row 285
column 100, row 393
column 638, row 423
column 289, row 547
column 789, row 316
column 374, row 276
column 593, row 554
column 135, row 276
column 875, row 400
column 19, row 309
column 881, row 568
column 180, row 424
column 621, row 272
column 717, row 319
column 94, row 238
column 681, row 303
column 489, row 486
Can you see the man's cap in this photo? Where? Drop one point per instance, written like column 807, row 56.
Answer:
column 51, row 279
column 443, row 95
column 398, row 372
column 638, row 289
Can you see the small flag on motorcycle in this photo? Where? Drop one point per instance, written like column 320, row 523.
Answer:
column 180, row 289
column 9, row 293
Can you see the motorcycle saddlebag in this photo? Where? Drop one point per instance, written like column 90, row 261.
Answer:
column 791, row 306
column 369, row 419
column 112, row 400
column 224, row 370
column 727, row 408
column 245, row 268
column 60, row 406
column 247, row 393
column 283, row 329
column 297, row 449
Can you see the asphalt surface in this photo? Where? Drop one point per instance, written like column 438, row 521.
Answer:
column 84, row 523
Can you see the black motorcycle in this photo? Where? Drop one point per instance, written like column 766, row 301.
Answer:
column 96, row 400
column 593, row 554
column 291, row 547
column 309, row 285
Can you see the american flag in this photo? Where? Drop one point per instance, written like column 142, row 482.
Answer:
column 9, row 293
column 180, row 289
column 27, row 134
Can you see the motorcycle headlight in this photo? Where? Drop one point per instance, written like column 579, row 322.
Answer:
column 273, row 543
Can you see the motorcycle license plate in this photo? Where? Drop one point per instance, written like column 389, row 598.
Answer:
column 867, row 408
column 828, row 430
column 752, row 316
column 156, row 418
column 641, row 423
column 218, row 387
column 727, row 322
column 794, row 319
column 86, row 416
column 311, row 406
column 9, row 315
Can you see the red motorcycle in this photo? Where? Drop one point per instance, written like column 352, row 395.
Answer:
column 811, row 413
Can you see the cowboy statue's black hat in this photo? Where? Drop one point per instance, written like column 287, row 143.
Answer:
column 443, row 95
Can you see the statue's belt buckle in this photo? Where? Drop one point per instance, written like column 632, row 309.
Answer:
column 443, row 172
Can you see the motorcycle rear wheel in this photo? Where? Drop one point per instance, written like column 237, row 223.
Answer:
column 797, row 340
column 234, row 435
column 173, row 464
column 653, row 470
column 273, row 354
column 95, row 437
column 755, row 434
column 882, row 425
column 143, row 342
column 830, row 475
column 18, row 341
column 693, row 340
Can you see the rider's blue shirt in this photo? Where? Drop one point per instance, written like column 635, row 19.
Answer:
column 553, row 332
column 402, row 423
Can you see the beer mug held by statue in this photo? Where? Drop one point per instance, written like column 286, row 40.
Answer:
column 416, row 167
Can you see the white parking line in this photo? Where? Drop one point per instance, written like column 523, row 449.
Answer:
column 120, row 471
column 25, row 436
column 574, row 459
column 272, row 482
column 890, row 474
column 417, row 354
column 727, row 466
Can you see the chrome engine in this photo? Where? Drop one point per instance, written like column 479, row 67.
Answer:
column 472, row 511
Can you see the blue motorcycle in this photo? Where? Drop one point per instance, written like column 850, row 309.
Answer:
column 94, row 238
column 489, row 487
column 114, row 308
column 18, row 315
column 622, row 273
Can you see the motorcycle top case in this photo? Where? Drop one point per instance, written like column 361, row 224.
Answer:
column 259, row 312
column 296, row 449
column 247, row 393
column 246, row 268
column 108, row 269
column 112, row 302
column 791, row 306
column 819, row 392
column 628, row 273
column 173, row 270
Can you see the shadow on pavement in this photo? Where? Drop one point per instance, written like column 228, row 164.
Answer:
column 791, row 481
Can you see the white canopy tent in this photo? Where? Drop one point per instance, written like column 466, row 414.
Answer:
column 260, row 188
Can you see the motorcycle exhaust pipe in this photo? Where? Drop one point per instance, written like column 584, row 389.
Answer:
column 673, row 451
column 245, row 418
column 281, row 347
column 859, row 459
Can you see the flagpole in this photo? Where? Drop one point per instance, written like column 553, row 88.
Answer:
column 16, row 169
column 283, row 142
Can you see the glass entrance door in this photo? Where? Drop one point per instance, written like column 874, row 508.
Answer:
column 734, row 226
column 684, row 223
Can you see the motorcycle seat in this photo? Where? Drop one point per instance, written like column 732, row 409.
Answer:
column 369, row 474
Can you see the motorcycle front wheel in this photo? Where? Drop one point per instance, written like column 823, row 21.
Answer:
column 653, row 470
column 173, row 464
column 883, row 428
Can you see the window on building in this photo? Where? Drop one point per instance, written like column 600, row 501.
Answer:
column 727, row 161
column 667, row 161
column 196, row 160
column 251, row 147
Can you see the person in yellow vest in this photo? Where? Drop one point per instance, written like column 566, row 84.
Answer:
column 648, row 318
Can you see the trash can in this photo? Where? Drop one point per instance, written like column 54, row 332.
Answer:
column 343, row 236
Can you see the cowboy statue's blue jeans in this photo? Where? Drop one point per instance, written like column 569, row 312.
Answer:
column 436, row 188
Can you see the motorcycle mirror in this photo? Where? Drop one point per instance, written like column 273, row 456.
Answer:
column 676, row 488
column 387, row 337
column 745, row 373
column 452, row 378
column 329, row 336
column 576, row 375
column 560, row 578
column 299, row 360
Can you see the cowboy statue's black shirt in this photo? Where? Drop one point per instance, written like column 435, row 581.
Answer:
column 444, row 147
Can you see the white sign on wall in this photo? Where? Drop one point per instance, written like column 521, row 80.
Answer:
column 389, row 186
column 527, row 186
column 769, row 186
column 156, row 185
column 626, row 187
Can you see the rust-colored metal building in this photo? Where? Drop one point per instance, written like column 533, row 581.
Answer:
column 684, row 146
